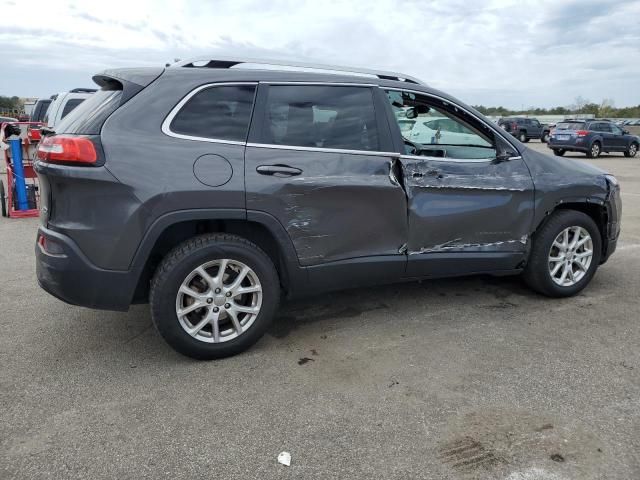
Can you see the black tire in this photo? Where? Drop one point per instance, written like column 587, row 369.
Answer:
column 522, row 136
column 186, row 257
column 536, row 273
column 632, row 150
column 594, row 150
column 559, row 152
column 3, row 200
column 545, row 137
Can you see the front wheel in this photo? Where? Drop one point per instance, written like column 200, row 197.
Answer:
column 564, row 255
column 632, row 150
column 214, row 296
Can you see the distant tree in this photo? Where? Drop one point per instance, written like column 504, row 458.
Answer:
column 606, row 108
column 591, row 109
column 9, row 102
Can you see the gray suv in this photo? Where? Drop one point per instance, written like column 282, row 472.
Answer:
column 213, row 188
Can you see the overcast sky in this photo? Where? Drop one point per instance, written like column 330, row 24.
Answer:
column 495, row 52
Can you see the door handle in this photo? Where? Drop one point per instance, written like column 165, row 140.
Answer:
column 278, row 170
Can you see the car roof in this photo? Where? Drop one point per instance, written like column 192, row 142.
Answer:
column 214, row 75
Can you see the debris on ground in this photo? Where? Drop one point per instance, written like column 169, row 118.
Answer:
column 284, row 458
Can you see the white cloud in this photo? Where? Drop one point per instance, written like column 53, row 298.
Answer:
column 494, row 52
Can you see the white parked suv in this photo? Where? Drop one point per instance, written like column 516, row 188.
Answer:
column 64, row 103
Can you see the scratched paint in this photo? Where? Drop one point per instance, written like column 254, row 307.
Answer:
column 468, row 206
column 341, row 206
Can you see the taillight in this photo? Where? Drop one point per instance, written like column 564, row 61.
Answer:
column 514, row 126
column 582, row 133
column 67, row 149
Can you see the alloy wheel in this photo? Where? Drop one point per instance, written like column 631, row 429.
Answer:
column 633, row 149
column 570, row 256
column 219, row 301
column 595, row 150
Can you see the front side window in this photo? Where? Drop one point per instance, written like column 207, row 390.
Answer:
column 438, row 130
column 321, row 116
column 221, row 113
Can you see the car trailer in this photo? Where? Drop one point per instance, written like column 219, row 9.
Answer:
column 19, row 196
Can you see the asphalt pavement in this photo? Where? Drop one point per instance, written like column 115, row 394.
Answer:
column 448, row 379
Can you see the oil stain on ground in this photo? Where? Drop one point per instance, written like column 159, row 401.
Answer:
column 293, row 317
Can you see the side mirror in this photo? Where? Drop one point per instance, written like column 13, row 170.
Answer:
column 411, row 113
column 625, row 132
column 504, row 156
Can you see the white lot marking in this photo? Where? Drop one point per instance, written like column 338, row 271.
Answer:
column 629, row 193
column 534, row 474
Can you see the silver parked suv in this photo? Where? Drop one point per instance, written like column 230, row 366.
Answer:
column 214, row 187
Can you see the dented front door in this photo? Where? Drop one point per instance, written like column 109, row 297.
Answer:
column 466, row 206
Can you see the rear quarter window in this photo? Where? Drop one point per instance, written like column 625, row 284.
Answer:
column 217, row 113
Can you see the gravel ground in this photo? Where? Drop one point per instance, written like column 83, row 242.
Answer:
column 451, row 379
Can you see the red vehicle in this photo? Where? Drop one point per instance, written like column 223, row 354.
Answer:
column 30, row 139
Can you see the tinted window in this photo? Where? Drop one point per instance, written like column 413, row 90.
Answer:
column 217, row 112
column 88, row 118
column 39, row 110
column 70, row 105
column 321, row 116
column 605, row 127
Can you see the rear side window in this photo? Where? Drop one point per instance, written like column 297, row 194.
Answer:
column 92, row 112
column 221, row 113
column 70, row 106
column 321, row 117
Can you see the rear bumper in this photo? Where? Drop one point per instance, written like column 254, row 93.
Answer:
column 569, row 147
column 72, row 278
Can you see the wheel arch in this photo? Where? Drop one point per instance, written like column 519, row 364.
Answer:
column 596, row 210
column 258, row 227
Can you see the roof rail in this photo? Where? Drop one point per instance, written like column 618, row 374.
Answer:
column 231, row 62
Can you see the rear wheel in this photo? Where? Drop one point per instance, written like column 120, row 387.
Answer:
column 559, row 152
column 595, row 150
column 522, row 136
column 632, row 150
column 545, row 137
column 214, row 296
column 565, row 254
column 3, row 200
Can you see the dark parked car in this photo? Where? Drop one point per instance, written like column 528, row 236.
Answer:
column 525, row 128
column 211, row 191
column 592, row 137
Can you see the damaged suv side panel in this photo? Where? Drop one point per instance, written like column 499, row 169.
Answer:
column 473, row 206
